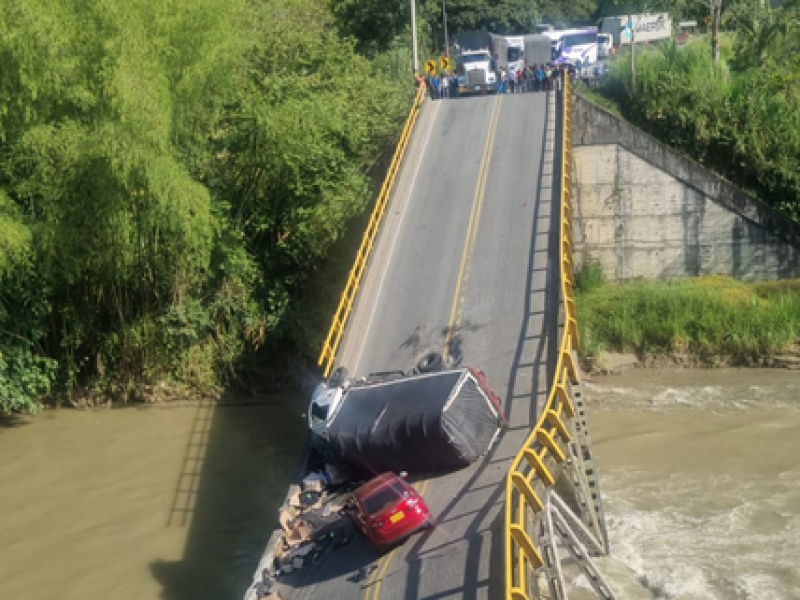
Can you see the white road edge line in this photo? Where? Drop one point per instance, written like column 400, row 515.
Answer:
column 377, row 297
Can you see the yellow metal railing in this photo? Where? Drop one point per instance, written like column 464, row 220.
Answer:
column 335, row 333
column 530, row 473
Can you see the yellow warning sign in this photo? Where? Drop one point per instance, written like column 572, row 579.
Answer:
column 445, row 62
column 430, row 67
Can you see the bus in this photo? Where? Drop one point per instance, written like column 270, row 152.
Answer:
column 573, row 45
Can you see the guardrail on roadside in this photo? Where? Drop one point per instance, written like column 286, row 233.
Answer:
column 336, row 331
column 531, row 472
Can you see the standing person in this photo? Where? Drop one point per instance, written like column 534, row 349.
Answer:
column 435, row 83
column 429, row 85
column 512, row 81
column 539, row 78
column 520, row 74
column 445, row 85
column 555, row 79
column 529, row 72
column 548, row 76
column 454, row 85
column 503, row 80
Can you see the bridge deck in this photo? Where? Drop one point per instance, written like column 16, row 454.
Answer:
column 463, row 261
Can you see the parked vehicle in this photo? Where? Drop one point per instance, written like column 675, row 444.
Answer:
column 388, row 510
column 604, row 44
column 571, row 46
column 480, row 56
column 527, row 50
column 537, row 50
column 516, row 52
column 646, row 28
column 421, row 421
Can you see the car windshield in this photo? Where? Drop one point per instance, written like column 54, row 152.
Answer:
column 385, row 496
column 514, row 54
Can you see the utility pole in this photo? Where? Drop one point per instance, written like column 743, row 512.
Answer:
column 444, row 19
column 716, row 9
column 633, row 60
column 414, row 35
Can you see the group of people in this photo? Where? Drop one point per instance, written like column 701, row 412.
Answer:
column 531, row 78
column 444, row 85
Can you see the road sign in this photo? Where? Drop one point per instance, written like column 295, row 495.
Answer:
column 707, row 20
column 445, row 63
column 430, row 67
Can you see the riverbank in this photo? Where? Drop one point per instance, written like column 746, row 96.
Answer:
column 616, row 363
column 697, row 322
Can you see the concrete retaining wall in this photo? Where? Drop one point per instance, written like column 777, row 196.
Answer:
column 643, row 210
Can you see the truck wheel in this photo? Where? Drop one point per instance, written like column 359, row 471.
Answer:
column 430, row 363
column 337, row 377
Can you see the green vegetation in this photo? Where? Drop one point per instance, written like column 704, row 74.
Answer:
column 181, row 184
column 714, row 318
column 172, row 177
column 741, row 117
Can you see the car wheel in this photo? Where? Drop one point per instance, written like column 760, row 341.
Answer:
column 337, row 377
column 430, row 363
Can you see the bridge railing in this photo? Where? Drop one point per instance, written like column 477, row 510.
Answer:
column 336, row 331
column 533, row 469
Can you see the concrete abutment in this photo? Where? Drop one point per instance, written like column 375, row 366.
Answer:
column 644, row 210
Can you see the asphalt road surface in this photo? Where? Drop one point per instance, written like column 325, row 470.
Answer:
column 464, row 264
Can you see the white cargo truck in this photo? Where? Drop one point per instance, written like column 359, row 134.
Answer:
column 480, row 56
column 516, row 52
column 646, row 28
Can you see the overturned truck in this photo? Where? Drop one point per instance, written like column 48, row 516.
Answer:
column 423, row 423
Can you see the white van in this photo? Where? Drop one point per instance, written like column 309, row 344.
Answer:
column 604, row 43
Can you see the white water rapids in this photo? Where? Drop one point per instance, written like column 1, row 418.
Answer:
column 700, row 473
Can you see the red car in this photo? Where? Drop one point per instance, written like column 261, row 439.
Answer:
column 388, row 510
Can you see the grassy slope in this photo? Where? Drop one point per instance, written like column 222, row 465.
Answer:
column 714, row 318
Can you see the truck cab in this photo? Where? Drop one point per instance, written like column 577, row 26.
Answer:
column 477, row 72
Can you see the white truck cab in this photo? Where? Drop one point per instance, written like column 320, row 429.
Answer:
column 476, row 72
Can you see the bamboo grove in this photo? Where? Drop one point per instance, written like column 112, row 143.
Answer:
column 172, row 174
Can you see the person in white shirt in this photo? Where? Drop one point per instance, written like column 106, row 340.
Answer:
column 445, row 86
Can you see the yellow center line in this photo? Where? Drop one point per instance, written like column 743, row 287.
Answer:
column 373, row 586
column 456, row 311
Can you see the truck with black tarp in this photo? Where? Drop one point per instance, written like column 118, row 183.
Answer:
column 424, row 423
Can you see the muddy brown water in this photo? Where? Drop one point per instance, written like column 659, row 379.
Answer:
column 699, row 471
column 142, row 503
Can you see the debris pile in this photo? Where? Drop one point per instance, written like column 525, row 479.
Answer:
column 311, row 520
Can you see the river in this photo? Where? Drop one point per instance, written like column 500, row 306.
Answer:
column 699, row 471
column 140, row 503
